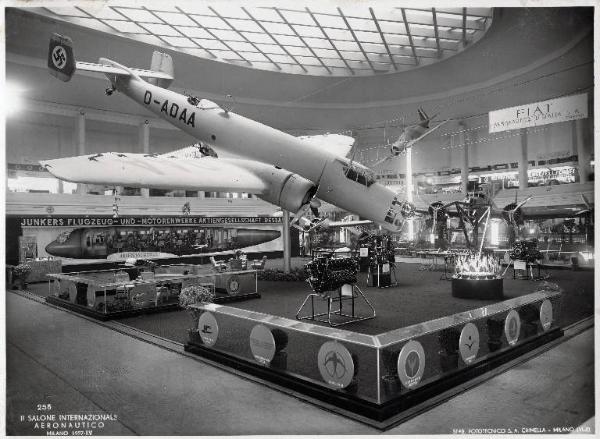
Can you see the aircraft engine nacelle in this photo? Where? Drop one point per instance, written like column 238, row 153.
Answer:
column 287, row 190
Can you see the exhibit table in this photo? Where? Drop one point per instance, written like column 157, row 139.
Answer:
column 116, row 293
column 40, row 268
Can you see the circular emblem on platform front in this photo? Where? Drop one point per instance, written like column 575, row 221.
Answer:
column 512, row 327
column 335, row 364
column 546, row 314
column 208, row 329
column 468, row 343
column 233, row 285
column 411, row 363
column 262, row 344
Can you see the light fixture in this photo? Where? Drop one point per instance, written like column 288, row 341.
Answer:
column 13, row 100
column 495, row 233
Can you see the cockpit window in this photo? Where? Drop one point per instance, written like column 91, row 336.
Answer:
column 359, row 174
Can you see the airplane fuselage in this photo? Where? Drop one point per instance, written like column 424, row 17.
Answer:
column 100, row 242
column 340, row 182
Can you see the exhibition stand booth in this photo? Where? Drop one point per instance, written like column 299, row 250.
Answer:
column 110, row 294
column 375, row 378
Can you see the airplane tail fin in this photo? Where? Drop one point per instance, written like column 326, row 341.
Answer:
column 162, row 62
column 61, row 60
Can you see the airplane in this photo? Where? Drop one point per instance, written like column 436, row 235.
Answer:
column 284, row 170
column 411, row 135
column 101, row 242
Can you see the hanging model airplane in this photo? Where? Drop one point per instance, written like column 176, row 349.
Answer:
column 411, row 135
column 287, row 171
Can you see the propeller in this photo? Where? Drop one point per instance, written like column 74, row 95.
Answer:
column 512, row 212
column 311, row 204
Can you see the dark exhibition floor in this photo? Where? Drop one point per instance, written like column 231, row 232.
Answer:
column 420, row 296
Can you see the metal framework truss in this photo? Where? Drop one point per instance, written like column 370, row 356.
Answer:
column 315, row 40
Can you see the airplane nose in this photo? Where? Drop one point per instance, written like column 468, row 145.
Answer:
column 249, row 237
column 67, row 249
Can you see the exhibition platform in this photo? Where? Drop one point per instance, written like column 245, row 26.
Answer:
column 533, row 313
column 110, row 368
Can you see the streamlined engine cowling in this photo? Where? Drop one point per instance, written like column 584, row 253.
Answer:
column 287, row 190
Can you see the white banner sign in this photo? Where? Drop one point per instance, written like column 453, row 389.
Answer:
column 539, row 113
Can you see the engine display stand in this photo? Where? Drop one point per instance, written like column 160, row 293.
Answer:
column 338, row 313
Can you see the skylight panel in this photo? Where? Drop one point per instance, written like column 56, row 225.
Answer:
column 211, row 44
column 286, row 40
column 334, row 63
column 194, row 32
column 126, row 26
column 255, row 57
column 161, row 29
column 368, row 37
column 334, row 21
column 179, row 41
column 104, row 13
column 271, row 49
column 339, row 34
column 278, row 28
column 67, row 11
column 176, row 19
column 397, row 39
column 266, row 14
column 308, row 60
column 300, row 51
column 241, row 46
column 281, row 59
column 375, row 48
column 259, row 38
column 300, row 18
column 308, row 31
column 139, row 15
column 211, row 22
column 227, row 35
column 226, row 54
column 320, row 43
column 347, row 45
column 359, row 24
column 244, row 25
column 326, row 53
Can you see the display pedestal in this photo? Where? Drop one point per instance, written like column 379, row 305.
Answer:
column 381, row 276
column 483, row 289
column 347, row 294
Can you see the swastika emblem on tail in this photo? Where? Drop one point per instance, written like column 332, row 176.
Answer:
column 59, row 57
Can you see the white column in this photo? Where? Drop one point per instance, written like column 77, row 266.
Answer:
column 80, row 142
column 144, row 141
column 409, row 190
column 523, row 164
column 287, row 253
column 464, row 164
column 583, row 155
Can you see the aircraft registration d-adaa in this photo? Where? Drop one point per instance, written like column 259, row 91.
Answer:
column 287, row 171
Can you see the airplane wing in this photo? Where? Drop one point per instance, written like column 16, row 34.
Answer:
column 149, row 170
column 426, row 133
column 112, row 69
column 339, row 144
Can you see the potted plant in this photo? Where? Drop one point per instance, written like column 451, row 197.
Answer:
column 192, row 295
column 20, row 273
